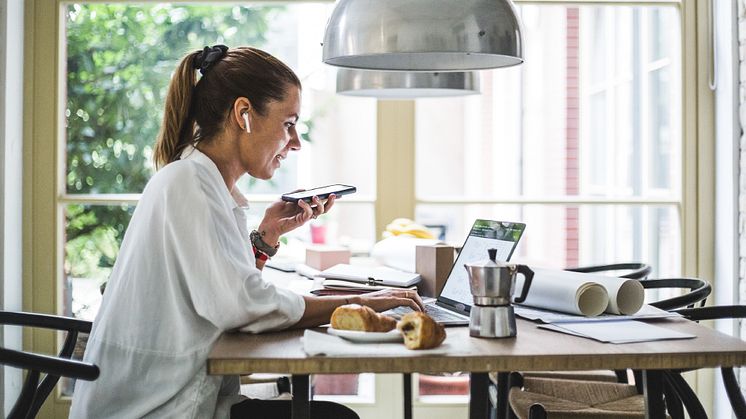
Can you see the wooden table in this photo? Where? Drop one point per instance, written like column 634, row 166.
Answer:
column 532, row 350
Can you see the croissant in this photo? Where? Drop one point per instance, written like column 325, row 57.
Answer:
column 421, row 331
column 362, row 318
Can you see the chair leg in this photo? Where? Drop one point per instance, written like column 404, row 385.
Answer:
column 734, row 392
column 686, row 395
column 621, row 376
column 23, row 404
column 515, row 380
column 673, row 402
column 537, row 411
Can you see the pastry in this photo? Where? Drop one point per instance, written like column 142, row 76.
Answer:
column 421, row 331
column 361, row 318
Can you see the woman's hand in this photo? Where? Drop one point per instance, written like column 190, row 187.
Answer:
column 282, row 217
column 390, row 298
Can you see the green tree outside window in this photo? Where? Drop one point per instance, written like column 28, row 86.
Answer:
column 119, row 62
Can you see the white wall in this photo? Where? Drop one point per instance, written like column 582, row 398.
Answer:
column 11, row 156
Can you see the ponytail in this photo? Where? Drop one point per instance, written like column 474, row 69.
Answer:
column 177, row 129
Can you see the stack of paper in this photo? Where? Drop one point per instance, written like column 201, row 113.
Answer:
column 340, row 286
column 624, row 331
column 379, row 275
column 611, row 328
column 547, row 316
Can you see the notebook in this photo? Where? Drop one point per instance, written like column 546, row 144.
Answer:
column 380, row 275
column 452, row 306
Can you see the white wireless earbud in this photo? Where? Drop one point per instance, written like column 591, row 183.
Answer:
column 246, row 122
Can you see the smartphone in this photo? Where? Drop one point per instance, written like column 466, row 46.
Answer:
column 322, row 192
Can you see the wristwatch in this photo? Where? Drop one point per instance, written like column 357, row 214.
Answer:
column 262, row 246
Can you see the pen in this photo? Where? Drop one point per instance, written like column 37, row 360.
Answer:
column 373, row 281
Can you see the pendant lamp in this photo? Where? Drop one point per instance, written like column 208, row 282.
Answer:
column 406, row 85
column 423, row 35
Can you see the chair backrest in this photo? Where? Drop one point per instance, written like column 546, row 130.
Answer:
column 732, row 388
column 697, row 292
column 631, row 270
column 34, row 391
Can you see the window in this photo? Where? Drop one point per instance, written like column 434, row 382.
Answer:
column 114, row 100
column 582, row 143
column 114, row 97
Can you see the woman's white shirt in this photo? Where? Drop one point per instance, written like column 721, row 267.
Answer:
column 184, row 275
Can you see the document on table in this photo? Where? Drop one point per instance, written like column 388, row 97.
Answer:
column 554, row 317
column 625, row 331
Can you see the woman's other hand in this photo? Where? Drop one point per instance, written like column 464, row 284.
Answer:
column 282, row 217
column 391, row 298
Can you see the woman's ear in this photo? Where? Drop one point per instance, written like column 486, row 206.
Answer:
column 240, row 112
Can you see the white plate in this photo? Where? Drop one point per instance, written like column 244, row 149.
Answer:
column 357, row 336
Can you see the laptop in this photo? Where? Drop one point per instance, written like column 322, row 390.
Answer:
column 452, row 306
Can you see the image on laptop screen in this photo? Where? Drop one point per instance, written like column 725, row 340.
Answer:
column 485, row 234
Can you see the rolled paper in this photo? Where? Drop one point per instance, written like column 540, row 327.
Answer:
column 568, row 292
column 626, row 296
column 583, row 294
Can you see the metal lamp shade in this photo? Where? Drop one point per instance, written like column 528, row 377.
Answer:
column 406, row 85
column 423, row 35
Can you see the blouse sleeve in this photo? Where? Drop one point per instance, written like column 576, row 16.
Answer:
column 218, row 271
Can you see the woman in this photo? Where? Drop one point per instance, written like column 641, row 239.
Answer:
column 188, row 269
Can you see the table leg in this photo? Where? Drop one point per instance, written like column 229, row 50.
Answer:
column 653, row 389
column 407, row 395
column 503, row 388
column 301, row 404
column 479, row 401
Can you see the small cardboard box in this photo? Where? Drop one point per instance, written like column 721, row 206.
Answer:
column 433, row 263
column 323, row 257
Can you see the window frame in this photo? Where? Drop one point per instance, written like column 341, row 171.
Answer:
column 44, row 186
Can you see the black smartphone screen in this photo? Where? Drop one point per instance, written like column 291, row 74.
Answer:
column 322, row 192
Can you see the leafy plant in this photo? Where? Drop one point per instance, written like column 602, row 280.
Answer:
column 119, row 62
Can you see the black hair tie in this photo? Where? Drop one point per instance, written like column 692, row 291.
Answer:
column 208, row 57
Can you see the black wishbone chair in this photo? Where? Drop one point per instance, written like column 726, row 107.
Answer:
column 697, row 292
column 35, row 390
column 631, row 270
column 603, row 391
column 732, row 388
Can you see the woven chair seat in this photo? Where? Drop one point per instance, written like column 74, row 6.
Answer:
column 606, row 376
column 565, row 399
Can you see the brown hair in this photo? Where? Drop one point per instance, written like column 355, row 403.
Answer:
column 196, row 109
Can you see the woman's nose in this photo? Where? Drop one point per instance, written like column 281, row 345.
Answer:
column 294, row 143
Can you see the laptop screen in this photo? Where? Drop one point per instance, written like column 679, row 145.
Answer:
column 485, row 234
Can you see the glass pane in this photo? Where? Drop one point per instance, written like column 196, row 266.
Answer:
column 335, row 384
column 115, row 92
column 432, row 387
column 560, row 236
column 93, row 234
column 586, row 114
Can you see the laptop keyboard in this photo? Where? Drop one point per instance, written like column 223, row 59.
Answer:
column 436, row 312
